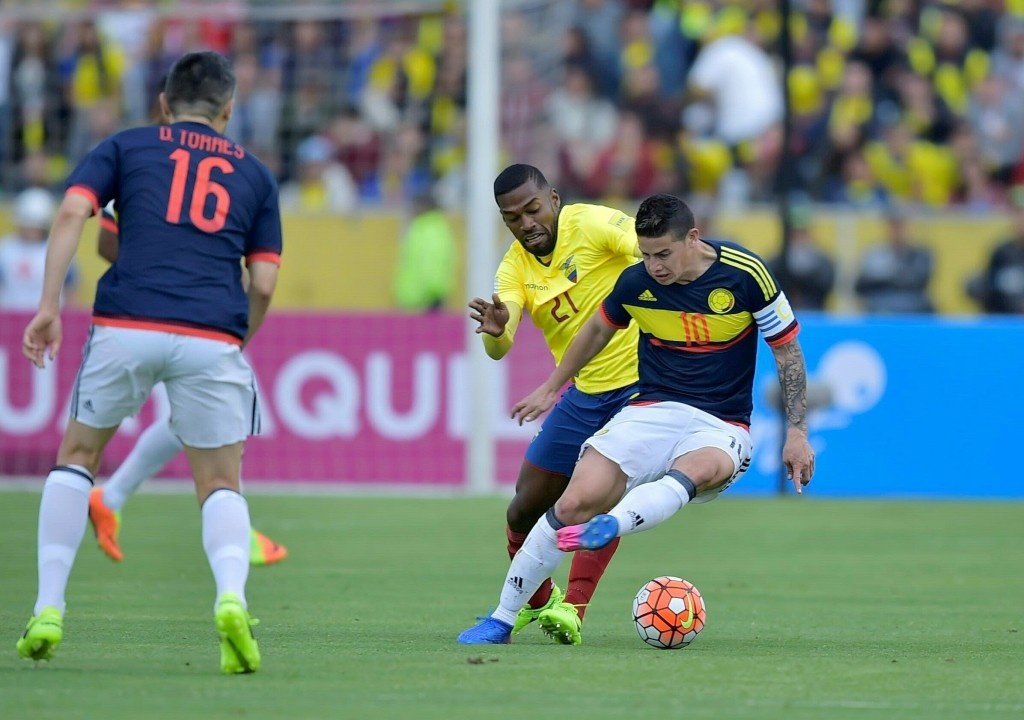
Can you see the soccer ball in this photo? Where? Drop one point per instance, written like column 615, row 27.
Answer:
column 668, row 612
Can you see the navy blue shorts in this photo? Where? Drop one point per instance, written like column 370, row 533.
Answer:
column 574, row 418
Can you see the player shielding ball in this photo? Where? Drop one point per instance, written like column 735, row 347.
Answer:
column 191, row 206
column 699, row 305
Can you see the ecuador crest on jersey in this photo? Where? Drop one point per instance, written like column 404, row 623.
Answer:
column 569, row 268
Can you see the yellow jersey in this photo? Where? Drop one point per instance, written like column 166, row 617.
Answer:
column 595, row 244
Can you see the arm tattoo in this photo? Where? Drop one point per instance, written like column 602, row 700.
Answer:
column 789, row 360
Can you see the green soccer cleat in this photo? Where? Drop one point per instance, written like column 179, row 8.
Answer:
column 527, row 615
column 562, row 623
column 239, row 652
column 42, row 636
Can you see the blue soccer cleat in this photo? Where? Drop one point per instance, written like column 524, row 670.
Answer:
column 592, row 535
column 488, row 631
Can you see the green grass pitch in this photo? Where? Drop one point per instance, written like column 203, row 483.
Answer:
column 816, row 609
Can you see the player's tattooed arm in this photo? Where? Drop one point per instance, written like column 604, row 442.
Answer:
column 789, row 360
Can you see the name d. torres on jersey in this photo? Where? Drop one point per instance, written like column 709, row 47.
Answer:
column 190, row 205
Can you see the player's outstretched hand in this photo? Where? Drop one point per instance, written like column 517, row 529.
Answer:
column 492, row 316
column 534, row 405
column 43, row 332
column 798, row 456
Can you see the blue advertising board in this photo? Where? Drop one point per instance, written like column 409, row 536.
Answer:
column 917, row 406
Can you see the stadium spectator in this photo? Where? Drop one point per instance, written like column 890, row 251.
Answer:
column 321, row 184
column 35, row 101
column 427, row 265
column 851, row 118
column 255, row 123
column 248, row 39
column 641, row 94
column 882, row 55
column 626, row 167
column 523, row 100
column 925, row 113
column 1000, row 288
column 982, row 19
column 310, row 91
column 895, row 274
column 684, row 436
column 995, row 116
column 979, row 187
column 600, row 21
column 127, row 25
column 736, row 80
column 362, row 50
column 92, row 72
column 576, row 52
column 1008, row 57
column 23, row 253
column 445, row 113
column 912, row 170
column 855, row 186
column 582, row 124
column 402, row 173
column 356, row 146
column 185, row 328
column 400, row 82
column 804, row 269
column 942, row 53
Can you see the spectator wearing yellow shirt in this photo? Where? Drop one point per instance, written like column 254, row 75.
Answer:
column 92, row 73
column 910, row 169
column 321, row 185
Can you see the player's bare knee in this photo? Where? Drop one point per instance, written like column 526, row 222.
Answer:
column 707, row 468
column 521, row 518
column 536, row 492
column 86, row 456
column 573, row 509
column 83, row 445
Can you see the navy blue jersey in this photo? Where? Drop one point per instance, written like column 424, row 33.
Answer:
column 698, row 343
column 190, row 206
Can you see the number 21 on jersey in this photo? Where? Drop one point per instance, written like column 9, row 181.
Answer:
column 559, row 313
column 204, row 187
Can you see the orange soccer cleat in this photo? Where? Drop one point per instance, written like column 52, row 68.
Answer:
column 107, row 524
column 264, row 551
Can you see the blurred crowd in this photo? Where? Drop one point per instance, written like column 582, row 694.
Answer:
column 894, row 103
column 909, row 100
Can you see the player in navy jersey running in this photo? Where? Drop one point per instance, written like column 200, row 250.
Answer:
column 191, row 206
column 684, row 437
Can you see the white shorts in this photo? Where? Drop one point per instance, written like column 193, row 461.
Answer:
column 210, row 386
column 644, row 440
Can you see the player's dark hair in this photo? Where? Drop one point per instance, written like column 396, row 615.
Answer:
column 663, row 214
column 199, row 83
column 515, row 175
